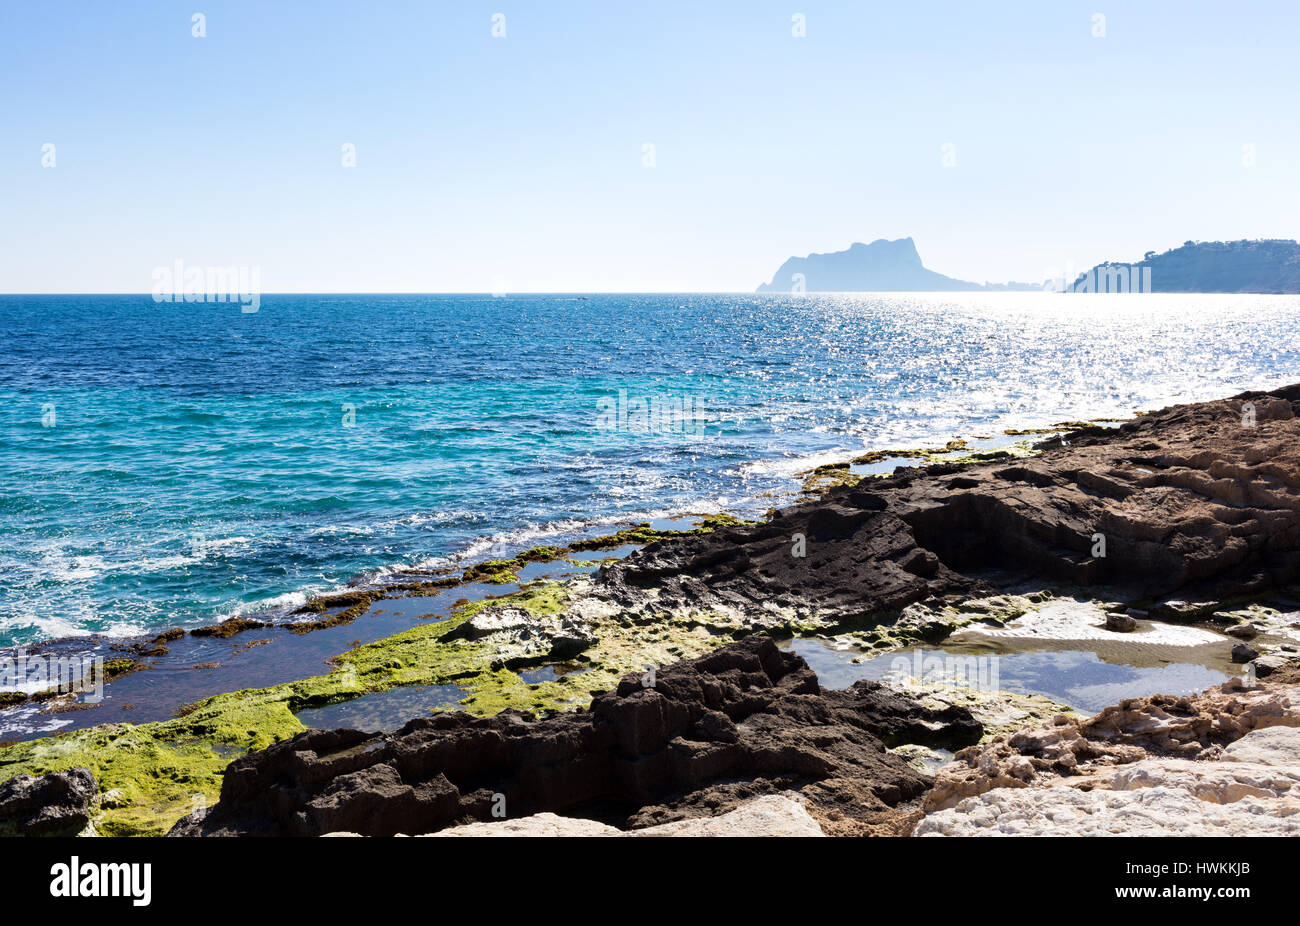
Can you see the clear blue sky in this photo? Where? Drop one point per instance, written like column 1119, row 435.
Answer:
column 521, row 157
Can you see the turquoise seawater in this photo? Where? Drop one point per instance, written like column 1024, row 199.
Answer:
column 165, row 464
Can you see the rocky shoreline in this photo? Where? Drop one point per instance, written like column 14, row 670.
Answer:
column 1188, row 516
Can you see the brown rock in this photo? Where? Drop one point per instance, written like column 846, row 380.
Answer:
column 1120, row 623
column 1187, row 499
column 1272, row 663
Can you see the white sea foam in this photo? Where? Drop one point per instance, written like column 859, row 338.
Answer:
column 77, row 620
column 56, row 564
column 789, row 466
column 506, row 543
column 28, row 720
column 285, row 603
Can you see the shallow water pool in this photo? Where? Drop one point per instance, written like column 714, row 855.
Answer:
column 1082, row 679
column 384, row 711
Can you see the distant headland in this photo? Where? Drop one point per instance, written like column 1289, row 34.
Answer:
column 1247, row 266
column 1270, row 265
column 881, row 267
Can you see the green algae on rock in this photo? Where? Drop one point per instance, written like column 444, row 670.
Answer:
column 934, row 620
column 644, row 533
column 503, row 571
column 96, row 674
column 348, row 606
column 161, row 770
column 828, row 476
column 229, row 627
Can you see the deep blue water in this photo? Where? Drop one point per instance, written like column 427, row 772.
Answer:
column 174, row 463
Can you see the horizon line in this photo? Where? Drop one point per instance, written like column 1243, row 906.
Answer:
column 556, row 292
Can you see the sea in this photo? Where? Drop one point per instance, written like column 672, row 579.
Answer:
column 172, row 464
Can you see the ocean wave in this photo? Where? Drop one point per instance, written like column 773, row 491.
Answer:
column 790, row 465
column 379, row 575
column 426, row 518
column 30, row 622
column 280, row 605
column 506, row 543
column 200, row 551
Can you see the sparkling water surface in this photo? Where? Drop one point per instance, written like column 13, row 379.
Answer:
column 171, row 464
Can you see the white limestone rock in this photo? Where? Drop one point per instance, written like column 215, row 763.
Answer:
column 1065, row 811
column 771, row 815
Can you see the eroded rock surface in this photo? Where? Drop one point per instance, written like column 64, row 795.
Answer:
column 1223, row 763
column 1134, row 729
column 711, row 734
column 1070, row 812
